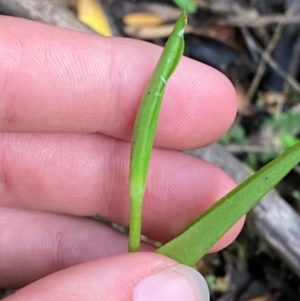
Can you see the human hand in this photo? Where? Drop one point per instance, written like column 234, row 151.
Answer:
column 68, row 104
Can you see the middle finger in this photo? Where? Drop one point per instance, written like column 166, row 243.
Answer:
column 88, row 175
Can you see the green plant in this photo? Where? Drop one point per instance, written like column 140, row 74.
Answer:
column 146, row 124
column 284, row 128
column 236, row 134
column 189, row 5
column 285, row 122
column 203, row 232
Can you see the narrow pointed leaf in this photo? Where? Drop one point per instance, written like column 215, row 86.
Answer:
column 205, row 231
column 146, row 124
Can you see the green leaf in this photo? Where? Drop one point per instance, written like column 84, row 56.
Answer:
column 205, row 231
column 189, row 5
column 288, row 140
column 146, row 124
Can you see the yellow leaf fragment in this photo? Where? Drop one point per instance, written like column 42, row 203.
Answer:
column 142, row 19
column 91, row 13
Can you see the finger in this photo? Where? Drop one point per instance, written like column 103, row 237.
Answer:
column 136, row 277
column 88, row 175
column 36, row 244
column 57, row 80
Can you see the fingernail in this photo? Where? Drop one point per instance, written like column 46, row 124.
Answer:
column 176, row 283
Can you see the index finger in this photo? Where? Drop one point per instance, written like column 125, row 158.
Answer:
column 58, row 80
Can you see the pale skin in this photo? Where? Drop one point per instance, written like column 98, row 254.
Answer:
column 68, row 103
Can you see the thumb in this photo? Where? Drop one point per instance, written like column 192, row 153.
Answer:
column 134, row 276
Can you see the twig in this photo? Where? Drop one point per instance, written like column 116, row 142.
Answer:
column 273, row 64
column 221, row 6
column 266, row 55
column 260, row 21
column 256, row 149
column 294, row 63
column 243, row 16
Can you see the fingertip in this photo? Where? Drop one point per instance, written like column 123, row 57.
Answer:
column 85, row 83
column 178, row 282
column 204, row 102
column 135, row 276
